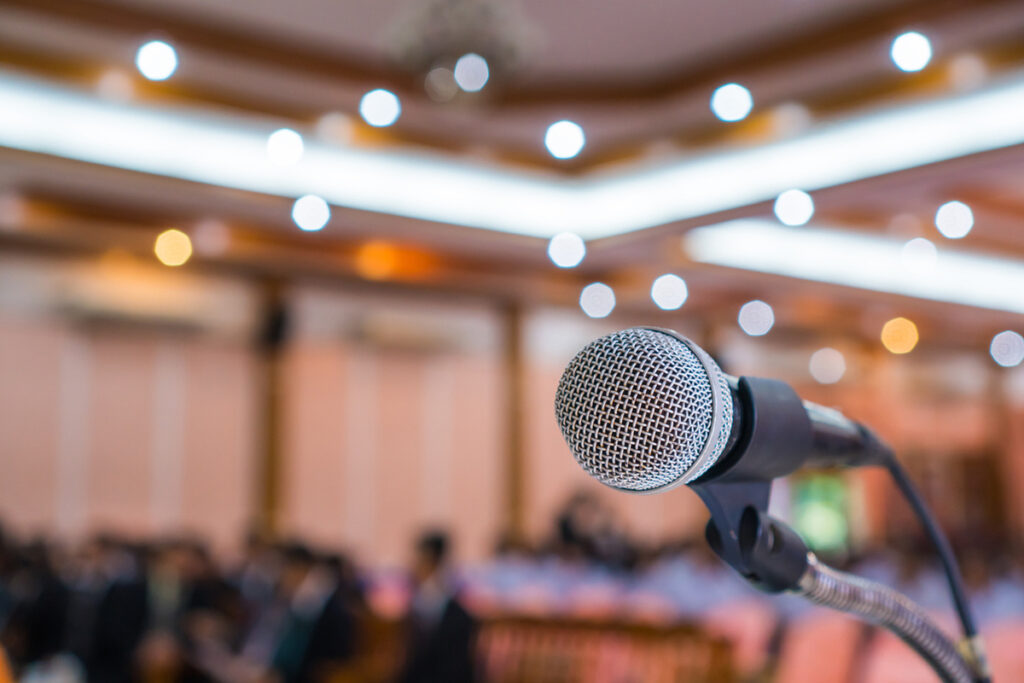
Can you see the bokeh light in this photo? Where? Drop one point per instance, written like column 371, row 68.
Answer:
column 14, row 211
column 284, row 147
column 310, row 213
column 566, row 250
column 380, row 108
column 211, row 237
column 911, row 51
column 440, row 84
column 731, row 102
column 756, row 318
column 156, row 60
column 899, row 335
column 335, row 127
column 472, row 72
column 377, row 260
column 967, row 71
column 1007, row 349
column 827, row 365
column 597, row 300
column 173, row 247
column 116, row 85
column 669, row 292
column 564, row 139
column 791, row 118
column 954, row 220
column 794, row 207
column 919, row 256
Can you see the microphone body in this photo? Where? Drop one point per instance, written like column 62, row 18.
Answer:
column 646, row 409
column 802, row 434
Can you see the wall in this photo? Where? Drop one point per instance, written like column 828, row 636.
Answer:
column 124, row 429
column 130, row 401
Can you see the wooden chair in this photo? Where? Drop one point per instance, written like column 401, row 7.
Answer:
column 530, row 650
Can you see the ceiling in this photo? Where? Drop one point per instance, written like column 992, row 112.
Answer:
column 571, row 39
column 636, row 75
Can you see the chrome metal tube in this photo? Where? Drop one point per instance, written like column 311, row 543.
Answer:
column 888, row 608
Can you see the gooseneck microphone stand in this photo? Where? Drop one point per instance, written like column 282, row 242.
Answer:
column 773, row 557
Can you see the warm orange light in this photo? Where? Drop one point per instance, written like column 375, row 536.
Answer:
column 899, row 335
column 173, row 247
column 377, row 260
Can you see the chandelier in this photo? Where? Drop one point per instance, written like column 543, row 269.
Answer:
column 460, row 45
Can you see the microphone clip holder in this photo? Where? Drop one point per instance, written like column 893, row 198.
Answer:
column 776, row 438
column 765, row 551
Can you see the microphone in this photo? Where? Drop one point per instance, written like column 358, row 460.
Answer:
column 646, row 409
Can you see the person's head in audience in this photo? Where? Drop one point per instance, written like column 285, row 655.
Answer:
column 297, row 561
column 431, row 556
column 259, row 547
column 512, row 545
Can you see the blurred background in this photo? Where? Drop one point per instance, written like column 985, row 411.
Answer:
column 286, row 290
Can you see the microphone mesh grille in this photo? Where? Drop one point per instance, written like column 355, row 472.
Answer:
column 636, row 408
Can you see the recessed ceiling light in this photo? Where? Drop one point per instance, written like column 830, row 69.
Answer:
column 597, row 300
column 380, row 108
column 911, row 51
column 564, row 139
column 669, row 292
column 471, row 72
column 731, row 102
column 310, row 213
column 156, row 60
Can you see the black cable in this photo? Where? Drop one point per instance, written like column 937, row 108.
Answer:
column 941, row 543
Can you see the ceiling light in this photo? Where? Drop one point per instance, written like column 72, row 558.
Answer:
column 156, row 60
column 731, row 102
column 231, row 152
column 597, row 300
column 954, row 220
column 471, row 72
column 669, row 292
column 1007, row 349
column 310, row 213
column 827, row 366
column 899, row 336
column 380, row 108
column 855, row 259
column 564, row 139
column 566, row 250
column 794, row 207
column 911, row 51
column 284, row 147
column 756, row 318
column 173, row 248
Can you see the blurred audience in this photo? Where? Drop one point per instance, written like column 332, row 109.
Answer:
column 112, row 610
column 440, row 629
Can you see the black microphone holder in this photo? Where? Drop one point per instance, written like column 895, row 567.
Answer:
column 770, row 555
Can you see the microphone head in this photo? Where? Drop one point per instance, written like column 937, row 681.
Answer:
column 644, row 409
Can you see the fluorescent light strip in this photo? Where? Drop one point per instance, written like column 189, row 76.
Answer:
column 231, row 153
column 854, row 259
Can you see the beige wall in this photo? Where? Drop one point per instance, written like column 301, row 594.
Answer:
column 393, row 420
column 127, row 429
